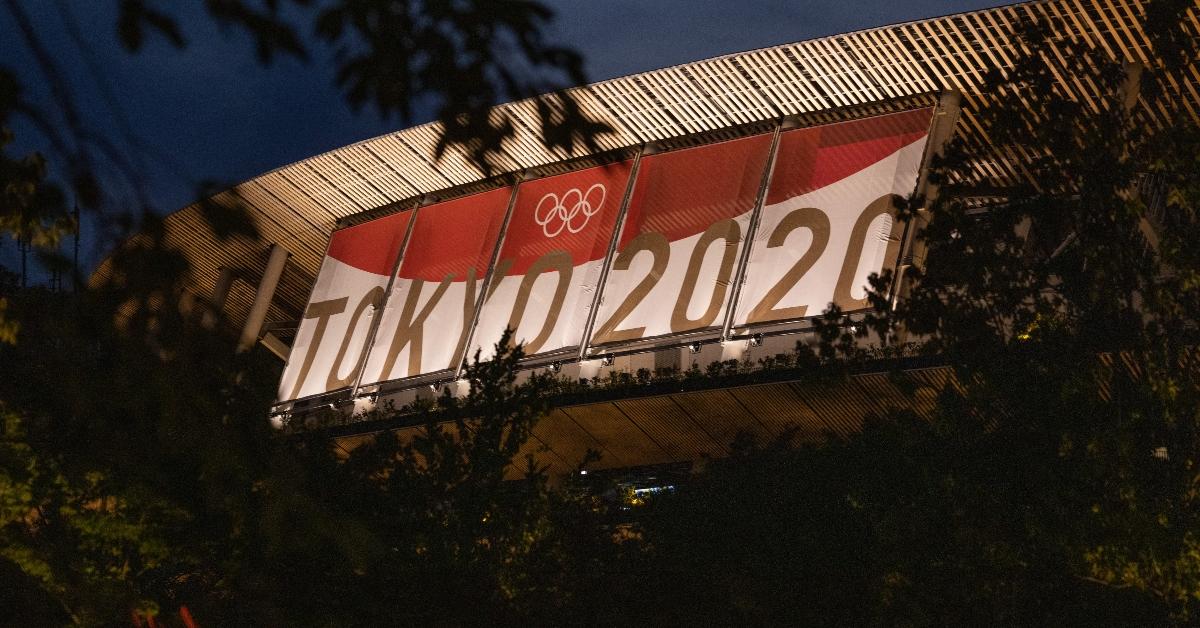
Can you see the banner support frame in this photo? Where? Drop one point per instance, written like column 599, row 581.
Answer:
column 942, row 129
column 459, row 364
column 365, row 356
column 618, row 226
column 739, row 276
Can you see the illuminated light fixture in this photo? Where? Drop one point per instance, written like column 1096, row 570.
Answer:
column 606, row 361
column 555, row 367
column 756, row 340
column 583, row 472
column 694, row 347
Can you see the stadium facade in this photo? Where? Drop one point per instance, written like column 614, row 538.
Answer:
column 735, row 199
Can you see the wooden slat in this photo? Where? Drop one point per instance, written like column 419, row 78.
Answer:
column 822, row 80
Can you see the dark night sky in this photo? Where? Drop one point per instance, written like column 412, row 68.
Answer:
column 211, row 112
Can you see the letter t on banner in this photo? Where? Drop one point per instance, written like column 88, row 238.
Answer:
column 432, row 303
column 329, row 345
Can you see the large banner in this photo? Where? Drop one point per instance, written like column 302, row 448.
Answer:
column 328, row 350
column 429, row 312
column 827, row 223
column 829, row 218
column 681, row 240
column 549, row 265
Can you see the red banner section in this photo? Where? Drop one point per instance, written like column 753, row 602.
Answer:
column 829, row 218
column 329, row 346
column 679, row 245
column 455, row 237
column 429, row 312
column 550, row 262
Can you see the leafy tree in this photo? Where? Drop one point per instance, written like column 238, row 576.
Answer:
column 125, row 465
column 1056, row 481
column 159, row 484
column 1068, row 310
column 137, row 468
column 429, row 530
column 457, row 58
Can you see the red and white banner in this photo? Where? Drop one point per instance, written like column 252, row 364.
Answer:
column 829, row 218
column 681, row 239
column 429, row 311
column 550, row 261
column 827, row 223
column 328, row 350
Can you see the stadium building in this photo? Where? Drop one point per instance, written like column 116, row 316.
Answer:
column 671, row 273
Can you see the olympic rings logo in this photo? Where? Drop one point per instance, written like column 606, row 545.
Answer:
column 570, row 212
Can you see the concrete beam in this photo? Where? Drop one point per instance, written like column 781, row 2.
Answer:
column 276, row 346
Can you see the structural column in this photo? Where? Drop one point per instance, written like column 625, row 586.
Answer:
column 262, row 298
column 219, row 295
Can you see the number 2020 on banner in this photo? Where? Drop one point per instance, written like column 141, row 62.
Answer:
column 767, row 308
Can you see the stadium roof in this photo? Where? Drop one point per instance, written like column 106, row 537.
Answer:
column 821, row 80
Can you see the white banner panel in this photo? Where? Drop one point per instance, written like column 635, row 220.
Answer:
column 429, row 311
column 680, row 242
column 828, row 220
column 550, row 261
column 328, row 350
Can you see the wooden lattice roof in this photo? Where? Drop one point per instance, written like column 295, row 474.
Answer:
column 821, row 80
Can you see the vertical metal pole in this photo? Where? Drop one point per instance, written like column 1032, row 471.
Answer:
column 487, row 278
column 739, row 277
column 262, row 298
column 618, row 226
column 387, row 293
